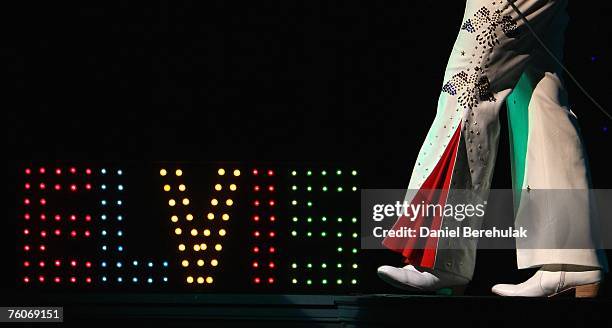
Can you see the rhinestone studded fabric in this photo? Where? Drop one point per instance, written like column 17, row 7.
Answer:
column 472, row 86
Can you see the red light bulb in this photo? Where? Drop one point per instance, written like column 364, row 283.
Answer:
column 57, row 217
column 256, row 188
column 26, row 216
column 43, row 217
column 42, row 186
column 88, row 264
column 26, row 264
column 57, row 263
column 26, row 248
column 270, row 173
column 73, row 233
column 272, row 202
column 257, row 280
column 26, row 280
column 58, row 232
column 73, row 187
column 271, row 265
column 27, row 186
column 42, row 248
column 58, row 171
column 42, row 170
column 87, row 233
column 72, row 279
column 88, row 218
column 58, row 187
column 256, row 218
column 41, row 278
column 43, row 201
column 255, row 172
column 73, row 170
column 270, row 188
column 28, row 171
column 57, row 280
column 72, row 217
column 73, row 263
column 88, row 171
column 255, row 265
column 26, row 201
column 270, row 280
column 256, row 233
column 272, row 234
column 41, row 264
column 272, row 218
column 26, row 231
column 43, row 234
column 255, row 249
column 272, row 250
column 88, row 186
column 88, row 280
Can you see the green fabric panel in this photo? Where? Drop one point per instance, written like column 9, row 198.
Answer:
column 518, row 126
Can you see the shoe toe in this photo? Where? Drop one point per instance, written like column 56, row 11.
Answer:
column 503, row 289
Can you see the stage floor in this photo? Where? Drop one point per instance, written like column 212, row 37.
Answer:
column 373, row 310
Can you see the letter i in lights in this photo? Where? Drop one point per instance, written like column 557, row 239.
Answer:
column 263, row 221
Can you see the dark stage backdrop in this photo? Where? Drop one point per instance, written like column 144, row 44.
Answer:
column 296, row 81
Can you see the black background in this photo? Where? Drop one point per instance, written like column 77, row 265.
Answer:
column 282, row 81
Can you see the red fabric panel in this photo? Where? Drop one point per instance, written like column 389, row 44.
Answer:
column 433, row 191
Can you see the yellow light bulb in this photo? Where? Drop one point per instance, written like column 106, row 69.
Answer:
column 233, row 187
column 194, row 232
column 185, row 263
column 209, row 280
column 222, row 232
column 229, row 202
column 206, row 232
column 185, row 201
column 181, row 247
column 214, row 202
column 200, row 280
column 225, row 217
column 236, row 173
column 174, row 218
column 218, row 247
column 200, row 262
column 203, row 246
column 218, row 187
column 182, row 187
column 210, row 216
column 178, row 231
column 190, row 280
column 172, row 202
column 189, row 217
column 221, row 172
column 179, row 172
column 167, row 188
column 196, row 248
column 163, row 172
column 214, row 262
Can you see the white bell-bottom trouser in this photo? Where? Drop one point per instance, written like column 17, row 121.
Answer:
column 497, row 60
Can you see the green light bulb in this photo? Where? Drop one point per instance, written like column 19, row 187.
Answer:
column 324, row 219
column 324, row 281
column 294, row 233
column 309, row 220
column 339, row 249
column 309, row 173
column 354, row 220
column 355, row 266
column 340, row 189
column 323, row 172
column 354, row 172
column 339, row 265
column 354, row 281
column 309, row 204
column 295, row 219
column 294, row 173
column 323, row 234
column 309, row 265
column 294, row 202
column 309, row 234
column 309, row 188
column 323, row 265
column 339, row 234
column 338, row 172
column 354, row 235
column 324, row 188
column 339, row 281
column 294, row 281
column 339, row 219
column 354, row 188
column 294, row 187
column 354, row 250
column 294, row 265
column 309, row 282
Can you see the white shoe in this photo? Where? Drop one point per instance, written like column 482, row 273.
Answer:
column 545, row 283
column 410, row 278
